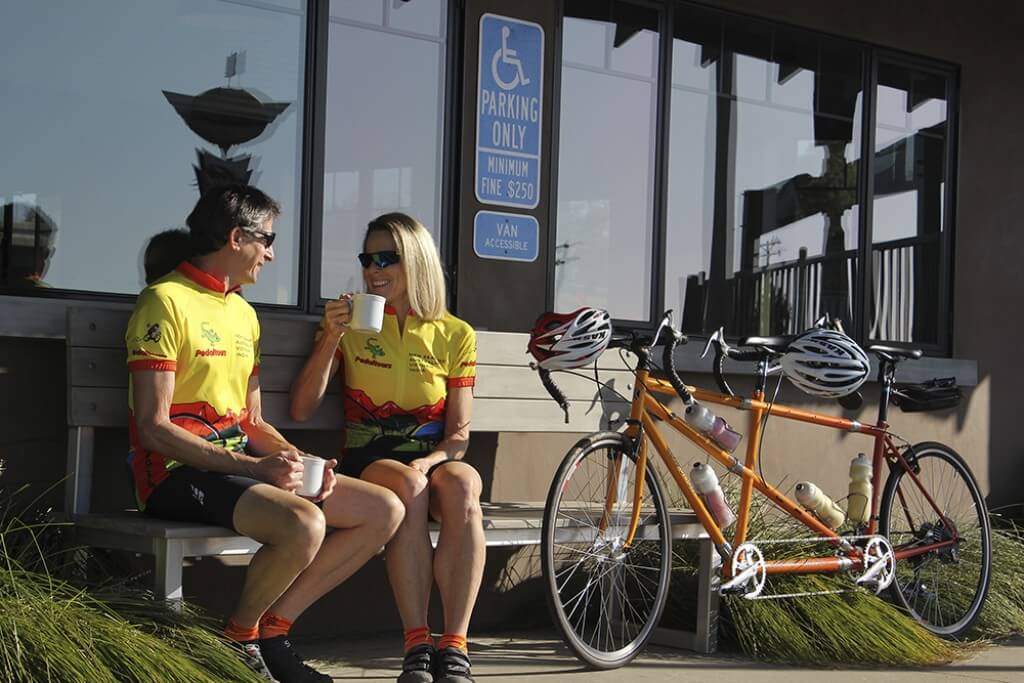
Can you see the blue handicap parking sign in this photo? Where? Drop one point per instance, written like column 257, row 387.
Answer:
column 506, row 236
column 509, row 111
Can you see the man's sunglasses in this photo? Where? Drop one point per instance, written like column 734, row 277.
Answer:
column 266, row 237
column 381, row 259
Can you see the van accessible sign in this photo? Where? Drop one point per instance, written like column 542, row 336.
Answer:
column 509, row 104
column 506, row 236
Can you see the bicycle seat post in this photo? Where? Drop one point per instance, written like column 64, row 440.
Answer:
column 887, row 378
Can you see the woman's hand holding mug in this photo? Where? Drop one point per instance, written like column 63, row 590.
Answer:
column 338, row 315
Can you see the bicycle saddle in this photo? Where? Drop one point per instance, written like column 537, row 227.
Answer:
column 894, row 352
column 774, row 343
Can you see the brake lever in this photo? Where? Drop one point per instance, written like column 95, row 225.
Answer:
column 718, row 340
column 666, row 321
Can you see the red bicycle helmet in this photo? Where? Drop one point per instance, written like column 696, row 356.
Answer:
column 563, row 341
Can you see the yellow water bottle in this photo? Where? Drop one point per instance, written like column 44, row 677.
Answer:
column 812, row 498
column 857, row 508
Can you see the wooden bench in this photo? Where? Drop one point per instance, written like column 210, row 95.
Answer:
column 508, row 397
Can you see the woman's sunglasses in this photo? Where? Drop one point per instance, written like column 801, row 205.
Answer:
column 381, row 259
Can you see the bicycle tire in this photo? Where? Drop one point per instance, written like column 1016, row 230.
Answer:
column 615, row 581
column 944, row 589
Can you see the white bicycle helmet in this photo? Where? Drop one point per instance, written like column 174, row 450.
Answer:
column 563, row 341
column 825, row 363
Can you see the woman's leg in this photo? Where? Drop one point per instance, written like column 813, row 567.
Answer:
column 459, row 559
column 408, row 554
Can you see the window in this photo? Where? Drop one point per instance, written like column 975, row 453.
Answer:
column 107, row 131
column 384, row 143
column 605, row 226
column 908, row 238
column 775, row 140
column 763, row 219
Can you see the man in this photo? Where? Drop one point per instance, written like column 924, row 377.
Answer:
column 204, row 453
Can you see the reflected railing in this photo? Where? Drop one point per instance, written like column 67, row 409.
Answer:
column 787, row 297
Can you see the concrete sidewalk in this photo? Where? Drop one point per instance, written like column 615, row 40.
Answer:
column 540, row 656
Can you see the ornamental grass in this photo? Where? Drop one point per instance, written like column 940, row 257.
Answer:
column 1003, row 613
column 54, row 630
column 851, row 628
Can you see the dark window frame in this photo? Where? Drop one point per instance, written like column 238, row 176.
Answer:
column 659, row 194
column 309, row 237
column 872, row 55
column 313, row 136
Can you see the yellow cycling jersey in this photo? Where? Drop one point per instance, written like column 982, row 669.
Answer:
column 396, row 381
column 187, row 324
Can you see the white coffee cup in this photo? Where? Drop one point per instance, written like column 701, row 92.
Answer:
column 367, row 312
column 312, row 476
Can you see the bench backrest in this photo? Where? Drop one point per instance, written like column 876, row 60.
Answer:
column 508, row 396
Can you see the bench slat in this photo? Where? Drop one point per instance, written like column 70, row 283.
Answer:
column 516, row 523
column 288, row 334
column 108, row 407
column 97, row 367
column 501, row 381
column 509, row 348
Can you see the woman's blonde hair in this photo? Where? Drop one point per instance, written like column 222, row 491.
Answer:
column 421, row 264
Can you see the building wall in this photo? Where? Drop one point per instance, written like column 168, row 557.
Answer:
column 982, row 37
column 33, row 435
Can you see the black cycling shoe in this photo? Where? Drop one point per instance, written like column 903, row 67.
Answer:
column 418, row 665
column 286, row 665
column 253, row 658
column 452, row 666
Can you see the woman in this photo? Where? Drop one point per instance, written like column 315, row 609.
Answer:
column 408, row 400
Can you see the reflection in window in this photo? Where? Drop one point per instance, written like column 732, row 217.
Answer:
column 91, row 186
column 605, row 158
column 907, row 213
column 762, row 203
column 384, row 140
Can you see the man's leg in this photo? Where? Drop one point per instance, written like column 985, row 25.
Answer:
column 291, row 530
column 364, row 516
column 455, row 489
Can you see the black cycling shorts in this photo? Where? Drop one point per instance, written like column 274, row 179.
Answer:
column 355, row 460
column 191, row 495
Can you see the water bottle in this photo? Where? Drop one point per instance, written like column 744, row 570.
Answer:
column 811, row 497
column 712, row 426
column 859, row 496
column 706, row 483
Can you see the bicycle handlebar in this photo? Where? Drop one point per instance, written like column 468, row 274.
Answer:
column 554, row 391
column 668, row 363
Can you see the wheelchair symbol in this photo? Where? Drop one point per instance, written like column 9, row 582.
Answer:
column 506, row 55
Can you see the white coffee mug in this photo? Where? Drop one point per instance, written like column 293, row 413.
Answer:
column 367, row 312
column 312, row 476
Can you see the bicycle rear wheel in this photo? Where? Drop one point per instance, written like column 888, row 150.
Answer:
column 945, row 588
column 606, row 598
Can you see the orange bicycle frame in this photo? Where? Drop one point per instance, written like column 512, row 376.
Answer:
column 645, row 408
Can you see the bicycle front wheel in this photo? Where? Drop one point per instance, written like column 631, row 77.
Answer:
column 944, row 589
column 605, row 596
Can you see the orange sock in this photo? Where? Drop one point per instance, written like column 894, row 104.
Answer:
column 417, row 636
column 455, row 640
column 241, row 633
column 272, row 625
